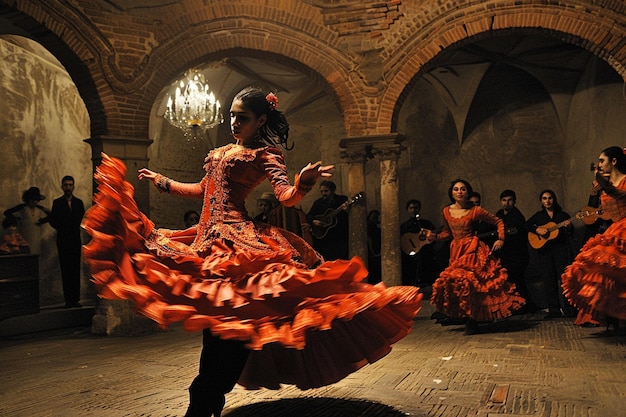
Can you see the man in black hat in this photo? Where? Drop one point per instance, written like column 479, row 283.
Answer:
column 66, row 216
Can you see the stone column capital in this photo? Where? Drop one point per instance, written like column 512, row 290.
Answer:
column 371, row 141
column 355, row 156
column 387, row 146
column 391, row 152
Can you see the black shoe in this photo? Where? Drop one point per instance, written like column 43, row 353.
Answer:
column 522, row 310
column 438, row 315
column 612, row 321
column 453, row 321
column 73, row 305
column 471, row 327
column 553, row 315
column 589, row 325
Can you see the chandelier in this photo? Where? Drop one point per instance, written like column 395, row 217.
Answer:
column 193, row 105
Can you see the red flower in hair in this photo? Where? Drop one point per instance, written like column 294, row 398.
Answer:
column 272, row 100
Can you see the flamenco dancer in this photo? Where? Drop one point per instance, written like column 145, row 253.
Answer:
column 272, row 311
column 595, row 282
column 474, row 287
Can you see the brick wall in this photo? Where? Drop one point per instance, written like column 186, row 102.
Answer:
column 372, row 50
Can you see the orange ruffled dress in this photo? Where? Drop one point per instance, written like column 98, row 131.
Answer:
column 595, row 282
column 474, row 285
column 306, row 321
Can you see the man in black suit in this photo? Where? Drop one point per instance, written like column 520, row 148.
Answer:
column 66, row 216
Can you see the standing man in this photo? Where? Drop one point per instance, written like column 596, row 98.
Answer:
column 66, row 216
column 486, row 232
column 514, row 254
column 417, row 268
column 328, row 218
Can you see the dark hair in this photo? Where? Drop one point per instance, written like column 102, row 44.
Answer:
column 508, row 193
column 67, row 178
column 555, row 202
column 470, row 190
column 475, row 194
column 188, row 214
column 414, row 201
column 10, row 221
column 328, row 184
column 275, row 131
column 615, row 152
column 373, row 218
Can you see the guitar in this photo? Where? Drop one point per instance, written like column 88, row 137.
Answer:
column 537, row 241
column 329, row 219
column 590, row 214
column 412, row 243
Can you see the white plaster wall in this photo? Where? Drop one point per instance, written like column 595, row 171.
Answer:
column 43, row 123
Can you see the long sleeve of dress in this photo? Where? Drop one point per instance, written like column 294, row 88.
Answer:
column 276, row 171
column 183, row 189
column 485, row 216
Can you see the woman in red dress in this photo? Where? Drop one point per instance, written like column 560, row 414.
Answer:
column 271, row 310
column 474, row 285
column 595, row 282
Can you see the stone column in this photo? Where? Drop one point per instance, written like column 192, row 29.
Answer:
column 358, row 212
column 134, row 153
column 390, row 213
column 387, row 148
column 117, row 317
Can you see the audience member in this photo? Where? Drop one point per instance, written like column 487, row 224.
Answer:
column 30, row 215
column 12, row 242
column 266, row 203
column 191, row 218
column 66, row 216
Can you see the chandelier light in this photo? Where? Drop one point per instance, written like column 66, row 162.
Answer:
column 193, row 105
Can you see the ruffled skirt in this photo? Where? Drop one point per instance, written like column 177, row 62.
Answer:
column 595, row 282
column 305, row 325
column 475, row 284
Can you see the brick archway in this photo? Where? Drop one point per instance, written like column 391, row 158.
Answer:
column 129, row 75
column 598, row 29
column 123, row 59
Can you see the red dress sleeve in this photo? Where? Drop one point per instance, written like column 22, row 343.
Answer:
column 485, row 216
column 276, row 172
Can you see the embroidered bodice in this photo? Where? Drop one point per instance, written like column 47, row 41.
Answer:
column 232, row 173
column 461, row 227
column 615, row 202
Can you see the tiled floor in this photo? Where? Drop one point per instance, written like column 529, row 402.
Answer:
column 522, row 367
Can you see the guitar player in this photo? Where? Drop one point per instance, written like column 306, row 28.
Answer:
column 555, row 252
column 334, row 242
column 418, row 269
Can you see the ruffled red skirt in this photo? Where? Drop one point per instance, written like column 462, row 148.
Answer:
column 595, row 282
column 474, row 285
column 309, row 326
